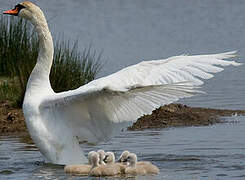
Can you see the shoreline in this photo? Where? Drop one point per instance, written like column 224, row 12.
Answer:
column 173, row 115
column 176, row 115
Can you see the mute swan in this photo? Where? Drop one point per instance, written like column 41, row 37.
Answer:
column 93, row 112
column 101, row 153
column 139, row 169
column 103, row 170
column 124, row 156
column 81, row 169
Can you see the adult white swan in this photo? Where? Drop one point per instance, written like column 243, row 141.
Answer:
column 58, row 121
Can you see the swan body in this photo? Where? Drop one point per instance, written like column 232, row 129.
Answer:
column 81, row 169
column 139, row 169
column 95, row 111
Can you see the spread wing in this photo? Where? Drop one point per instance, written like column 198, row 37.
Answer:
column 92, row 111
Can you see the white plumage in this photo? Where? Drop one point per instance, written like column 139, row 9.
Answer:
column 93, row 112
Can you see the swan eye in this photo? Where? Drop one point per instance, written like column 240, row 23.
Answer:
column 19, row 7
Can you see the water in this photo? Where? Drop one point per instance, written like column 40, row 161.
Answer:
column 211, row 152
column 128, row 32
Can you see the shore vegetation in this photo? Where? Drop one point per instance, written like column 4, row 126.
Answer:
column 18, row 54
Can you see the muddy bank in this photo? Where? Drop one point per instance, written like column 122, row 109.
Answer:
column 181, row 115
column 12, row 119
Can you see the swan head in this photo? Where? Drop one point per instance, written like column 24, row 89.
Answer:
column 109, row 158
column 26, row 10
column 131, row 159
column 123, row 156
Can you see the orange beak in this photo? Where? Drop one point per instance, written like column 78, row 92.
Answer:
column 14, row 12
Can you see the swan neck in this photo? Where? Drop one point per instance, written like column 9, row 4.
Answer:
column 39, row 78
column 46, row 49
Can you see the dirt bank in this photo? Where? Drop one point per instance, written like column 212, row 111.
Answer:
column 181, row 115
column 12, row 120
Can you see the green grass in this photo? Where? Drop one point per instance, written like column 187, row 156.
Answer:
column 72, row 69
column 9, row 91
column 18, row 55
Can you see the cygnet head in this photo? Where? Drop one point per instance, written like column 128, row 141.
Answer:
column 27, row 10
column 90, row 156
column 123, row 156
column 94, row 159
column 132, row 159
column 101, row 153
column 109, row 158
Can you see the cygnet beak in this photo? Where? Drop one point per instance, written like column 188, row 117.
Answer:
column 105, row 159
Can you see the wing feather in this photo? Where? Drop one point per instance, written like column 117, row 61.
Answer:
column 131, row 92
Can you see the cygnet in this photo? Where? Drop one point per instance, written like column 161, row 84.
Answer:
column 139, row 169
column 81, row 169
column 110, row 160
column 124, row 156
column 101, row 153
column 103, row 170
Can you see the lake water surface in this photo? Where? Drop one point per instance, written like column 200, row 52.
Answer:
column 130, row 31
column 211, row 152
